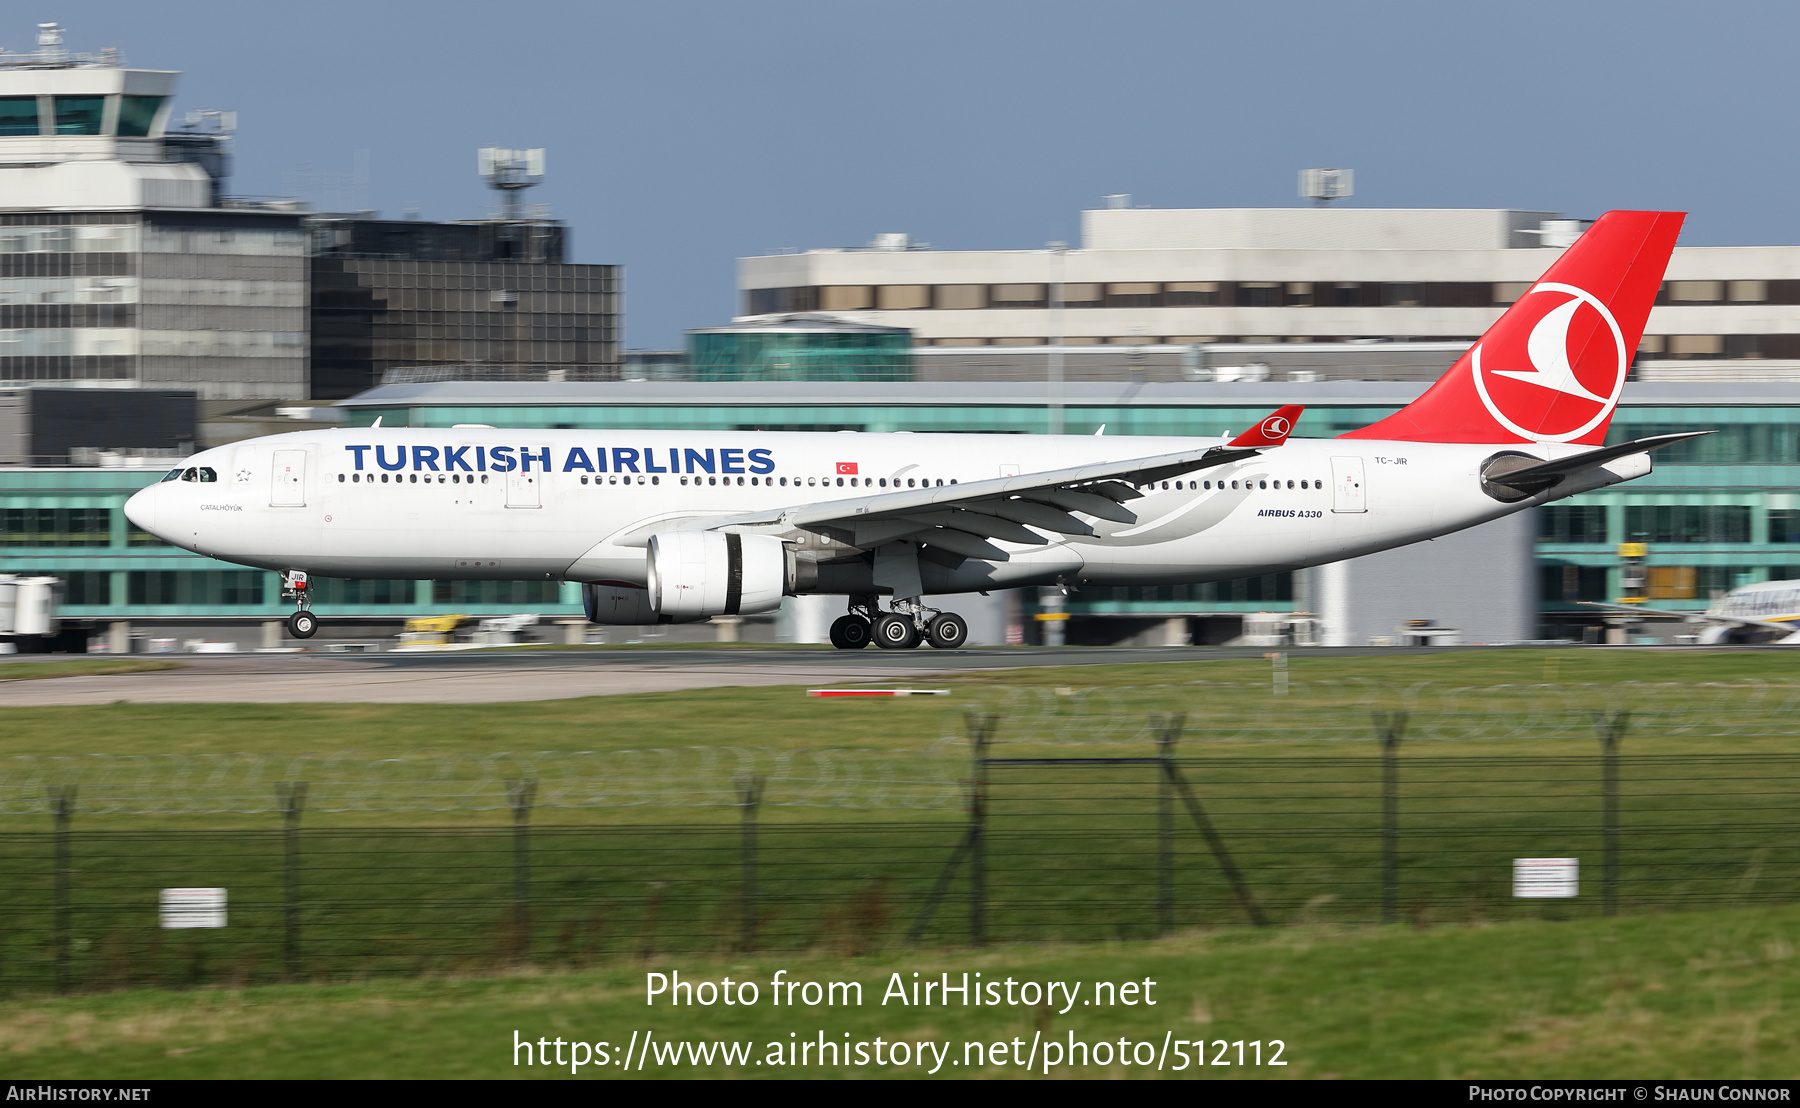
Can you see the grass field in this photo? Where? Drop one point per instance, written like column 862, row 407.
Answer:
column 1033, row 702
column 1682, row 995
column 636, row 847
column 81, row 667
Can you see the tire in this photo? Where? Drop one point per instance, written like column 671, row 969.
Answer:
column 894, row 632
column 851, row 633
column 948, row 631
column 303, row 625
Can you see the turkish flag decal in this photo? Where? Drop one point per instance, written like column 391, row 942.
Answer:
column 846, row 469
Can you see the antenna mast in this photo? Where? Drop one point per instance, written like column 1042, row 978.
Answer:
column 1322, row 186
column 509, row 171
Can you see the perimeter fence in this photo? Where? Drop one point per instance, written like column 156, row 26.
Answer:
column 1003, row 843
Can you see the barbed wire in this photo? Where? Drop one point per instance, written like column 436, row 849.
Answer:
column 926, row 778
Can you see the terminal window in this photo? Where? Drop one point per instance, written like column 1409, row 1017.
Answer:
column 18, row 115
column 136, row 113
column 1784, row 525
column 87, row 587
column 55, row 527
column 495, row 592
column 341, row 592
column 1572, row 523
column 1270, row 586
column 1666, row 523
column 1572, row 583
column 79, row 115
column 194, row 588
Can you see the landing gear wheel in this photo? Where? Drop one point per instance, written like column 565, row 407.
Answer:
column 894, row 632
column 948, row 631
column 851, row 633
column 302, row 625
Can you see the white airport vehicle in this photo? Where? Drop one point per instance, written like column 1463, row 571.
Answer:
column 29, row 609
column 1766, row 612
column 662, row 526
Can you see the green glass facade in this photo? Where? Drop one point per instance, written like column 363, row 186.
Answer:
column 727, row 354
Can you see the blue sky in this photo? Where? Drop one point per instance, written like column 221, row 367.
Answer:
column 683, row 135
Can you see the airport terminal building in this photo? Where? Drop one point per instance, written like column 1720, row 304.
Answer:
column 1181, row 276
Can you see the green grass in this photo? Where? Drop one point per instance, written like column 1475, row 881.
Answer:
column 1701, row 995
column 1085, row 703
column 83, row 667
column 637, row 846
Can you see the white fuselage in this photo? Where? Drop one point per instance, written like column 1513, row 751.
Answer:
column 456, row 502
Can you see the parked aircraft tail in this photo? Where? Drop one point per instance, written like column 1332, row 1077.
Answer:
column 1551, row 369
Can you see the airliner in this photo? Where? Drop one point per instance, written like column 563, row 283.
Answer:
column 673, row 527
column 1766, row 612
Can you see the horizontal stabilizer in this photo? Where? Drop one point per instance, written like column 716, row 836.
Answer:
column 1528, row 479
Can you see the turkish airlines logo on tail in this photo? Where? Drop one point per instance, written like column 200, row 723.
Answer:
column 1275, row 427
column 1560, row 380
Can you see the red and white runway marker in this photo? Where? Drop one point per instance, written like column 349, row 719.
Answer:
column 877, row 692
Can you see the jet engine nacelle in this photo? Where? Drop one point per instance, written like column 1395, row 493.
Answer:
column 622, row 605
column 696, row 574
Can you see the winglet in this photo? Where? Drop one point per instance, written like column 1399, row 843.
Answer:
column 1272, row 431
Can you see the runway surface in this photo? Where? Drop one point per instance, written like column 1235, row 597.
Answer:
column 487, row 678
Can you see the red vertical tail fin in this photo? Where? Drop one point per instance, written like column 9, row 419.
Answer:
column 1552, row 368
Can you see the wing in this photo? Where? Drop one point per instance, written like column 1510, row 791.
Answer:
column 1736, row 621
column 961, row 519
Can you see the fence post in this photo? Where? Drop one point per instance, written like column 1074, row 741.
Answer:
column 291, row 795
column 749, row 795
column 981, row 732
column 62, row 807
column 1389, row 726
column 1610, row 729
column 1168, row 729
column 520, row 793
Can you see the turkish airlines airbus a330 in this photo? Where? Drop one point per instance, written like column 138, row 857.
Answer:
column 662, row 526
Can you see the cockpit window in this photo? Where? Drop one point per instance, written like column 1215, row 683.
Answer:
column 191, row 475
column 172, row 475
column 207, row 473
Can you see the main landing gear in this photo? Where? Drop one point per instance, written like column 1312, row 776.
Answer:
column 294, row 586
column 907, row 625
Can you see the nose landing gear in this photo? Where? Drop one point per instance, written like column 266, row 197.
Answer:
column 302, row 624
column 908, row 624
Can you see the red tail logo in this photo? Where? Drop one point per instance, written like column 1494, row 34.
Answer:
column 1552, row 368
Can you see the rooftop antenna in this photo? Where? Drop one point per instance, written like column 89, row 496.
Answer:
column 509, row 171
column 1322, row 186
column 50, row 42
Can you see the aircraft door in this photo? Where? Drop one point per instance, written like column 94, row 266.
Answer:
column 289, row 476
column 1347, row 491
column 523, row 490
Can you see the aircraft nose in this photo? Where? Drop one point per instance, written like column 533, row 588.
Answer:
column 141, row 509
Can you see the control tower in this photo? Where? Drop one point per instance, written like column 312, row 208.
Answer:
column 121, row 264
column 82, row 131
